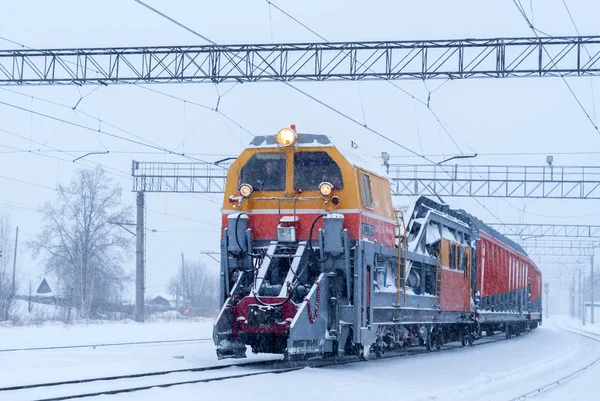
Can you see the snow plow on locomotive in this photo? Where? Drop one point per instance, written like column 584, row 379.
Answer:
column 315, row 261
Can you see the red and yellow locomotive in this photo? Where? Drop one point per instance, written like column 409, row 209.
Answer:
column 315, row 261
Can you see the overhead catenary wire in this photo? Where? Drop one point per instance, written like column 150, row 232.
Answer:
column 48, row 116
column 535, row 32
column 100, row 121
column 586, row 50
column 325, row 104
column 413, row 97
column 30, row 183
column 379, row 134
column 286, row 83
column 108, row 169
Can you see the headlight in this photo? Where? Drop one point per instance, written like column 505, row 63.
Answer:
column 286, row 136
column 325, row 188
column 245, row 190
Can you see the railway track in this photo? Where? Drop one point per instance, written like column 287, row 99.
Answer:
column 567, row 377
column 111, row 385
column 117, row 344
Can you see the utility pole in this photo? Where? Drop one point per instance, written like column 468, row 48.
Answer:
column 15, row 263
column 592, row 288
column 581, row 308
column 573, row 296
column 546, row 291
column 139, row 259
column 180, row 281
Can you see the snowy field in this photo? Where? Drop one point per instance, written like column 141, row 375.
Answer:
column 502, row 370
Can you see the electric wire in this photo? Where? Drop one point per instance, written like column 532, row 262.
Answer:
column 426, row 104
column 325, row 104
column 136, row 142
column 286, row 83
column 586, row 50
column 108, row 169
column 54, row 189
column 535, row 31
column 379, row 134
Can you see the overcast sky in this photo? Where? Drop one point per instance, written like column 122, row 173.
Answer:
column 486, row 115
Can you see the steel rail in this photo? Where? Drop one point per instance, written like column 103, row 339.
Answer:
column 568, row 377
column 104, row 345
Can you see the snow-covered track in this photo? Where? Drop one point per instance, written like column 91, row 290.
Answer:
column 169, row 384
column 71, row 389
column 111, row 385
column 571, row 375
column 117, row 344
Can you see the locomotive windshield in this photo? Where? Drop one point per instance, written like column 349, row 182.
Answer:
column 313, row 168
column 265, row 172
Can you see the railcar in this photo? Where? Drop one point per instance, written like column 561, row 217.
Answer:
column 315, row 260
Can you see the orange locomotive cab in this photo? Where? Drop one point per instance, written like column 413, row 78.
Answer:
column 274, row 184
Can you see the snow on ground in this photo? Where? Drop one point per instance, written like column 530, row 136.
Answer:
column 495, row 371
column 41, row 366
column 587, row 382
column 96, row 332
column 35, row 313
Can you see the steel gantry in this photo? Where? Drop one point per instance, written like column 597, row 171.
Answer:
column 389, row 60
column 535, row 247
column 493, row 181
column 414, row 180
column 547, row 230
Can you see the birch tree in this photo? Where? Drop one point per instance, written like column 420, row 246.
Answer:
column 7, row 289
column 80, row 243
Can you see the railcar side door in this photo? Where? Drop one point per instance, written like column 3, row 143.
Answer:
column 455, row 277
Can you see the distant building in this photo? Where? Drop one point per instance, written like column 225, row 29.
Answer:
column 160, row 302
column 44, row 289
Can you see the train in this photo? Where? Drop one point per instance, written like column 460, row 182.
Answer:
column 317, row 262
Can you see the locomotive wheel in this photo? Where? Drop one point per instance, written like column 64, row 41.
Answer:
column 365, row 352
column 430, row 341
column 439, row 339
column 470, row 338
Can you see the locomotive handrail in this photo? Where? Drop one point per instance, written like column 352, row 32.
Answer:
column 396, row 211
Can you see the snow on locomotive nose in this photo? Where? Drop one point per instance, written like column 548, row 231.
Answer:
column 316, row 261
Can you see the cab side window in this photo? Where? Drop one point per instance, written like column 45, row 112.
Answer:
column 365, row 187
column 313, row 168
column 265, row 172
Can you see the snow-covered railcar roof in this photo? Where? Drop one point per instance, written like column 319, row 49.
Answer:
column 490, row 231
column 354, row 155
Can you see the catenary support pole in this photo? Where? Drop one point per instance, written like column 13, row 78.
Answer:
column 13, row 289
column 572, row 297
column 592, row 289
column 139, row 259
column 581, row 308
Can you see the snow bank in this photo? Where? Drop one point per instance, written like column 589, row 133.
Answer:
column 55, row 334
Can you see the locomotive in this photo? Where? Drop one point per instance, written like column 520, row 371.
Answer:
column 316, row 262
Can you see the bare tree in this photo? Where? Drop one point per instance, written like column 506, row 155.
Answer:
column 81, row 245
column 195, row 285
column 8, row 289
